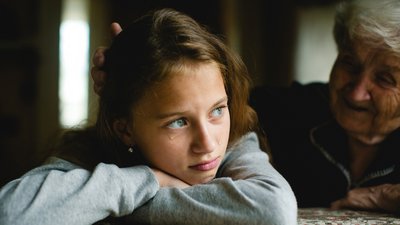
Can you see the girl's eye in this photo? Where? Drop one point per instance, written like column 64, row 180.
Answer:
column 218, row 112
column 179, row 123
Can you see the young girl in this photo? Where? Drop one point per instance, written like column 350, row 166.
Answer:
column 174, row 100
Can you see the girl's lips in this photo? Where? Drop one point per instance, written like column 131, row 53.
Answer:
column 205, row 166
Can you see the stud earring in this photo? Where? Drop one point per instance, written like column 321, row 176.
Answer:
column 130, row 149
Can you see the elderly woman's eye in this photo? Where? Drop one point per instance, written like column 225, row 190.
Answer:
column 385, row 79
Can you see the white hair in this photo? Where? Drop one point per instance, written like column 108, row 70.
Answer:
column 373, row 22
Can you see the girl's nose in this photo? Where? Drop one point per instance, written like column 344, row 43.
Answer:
column 204, row 141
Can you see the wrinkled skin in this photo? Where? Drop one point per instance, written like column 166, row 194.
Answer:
column 365, row 100
column 385, row 197
column 365, row 93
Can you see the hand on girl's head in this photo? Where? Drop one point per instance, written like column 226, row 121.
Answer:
column 98, row 75
column 115, row 29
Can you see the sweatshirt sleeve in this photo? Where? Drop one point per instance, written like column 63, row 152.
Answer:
column 248, row 191
column 63, row 193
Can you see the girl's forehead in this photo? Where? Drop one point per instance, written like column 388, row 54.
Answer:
column 177, row 71
column 184, row 67
column 185, row 86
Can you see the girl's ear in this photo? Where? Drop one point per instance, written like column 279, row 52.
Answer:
column 123, row 130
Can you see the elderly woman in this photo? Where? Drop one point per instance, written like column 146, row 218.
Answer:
column 338, row 144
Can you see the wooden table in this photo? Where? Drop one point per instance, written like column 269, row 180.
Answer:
column 319, row 216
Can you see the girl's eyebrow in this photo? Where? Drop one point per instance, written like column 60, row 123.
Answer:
column 170, row 114
column 219, row 102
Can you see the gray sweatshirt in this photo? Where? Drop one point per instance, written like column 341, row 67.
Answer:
column 247, row 190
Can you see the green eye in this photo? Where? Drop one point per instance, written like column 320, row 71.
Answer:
column 217, row 112
column 179, row 123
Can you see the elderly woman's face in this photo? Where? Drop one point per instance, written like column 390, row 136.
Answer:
column 365, row 93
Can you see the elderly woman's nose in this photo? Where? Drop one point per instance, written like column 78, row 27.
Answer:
column 360, row 89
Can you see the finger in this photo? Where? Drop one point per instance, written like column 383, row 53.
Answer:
column 388, row 197
column 115, row 29
column 347, row 203
column 339, row 204
column 359, row 202
column 352, row 200
column 98, row 56
column 98, row 77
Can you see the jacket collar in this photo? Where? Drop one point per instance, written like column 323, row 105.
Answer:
column 331, row 140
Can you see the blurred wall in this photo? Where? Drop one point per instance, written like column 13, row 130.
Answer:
column 28, row 82
column 315, row 50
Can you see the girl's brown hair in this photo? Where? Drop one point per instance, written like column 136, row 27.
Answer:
column 147, row 49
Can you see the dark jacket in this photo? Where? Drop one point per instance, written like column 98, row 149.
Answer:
column 310, row 149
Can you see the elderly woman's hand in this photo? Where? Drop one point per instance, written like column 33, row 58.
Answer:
column 383, row 197
column 98, row 75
